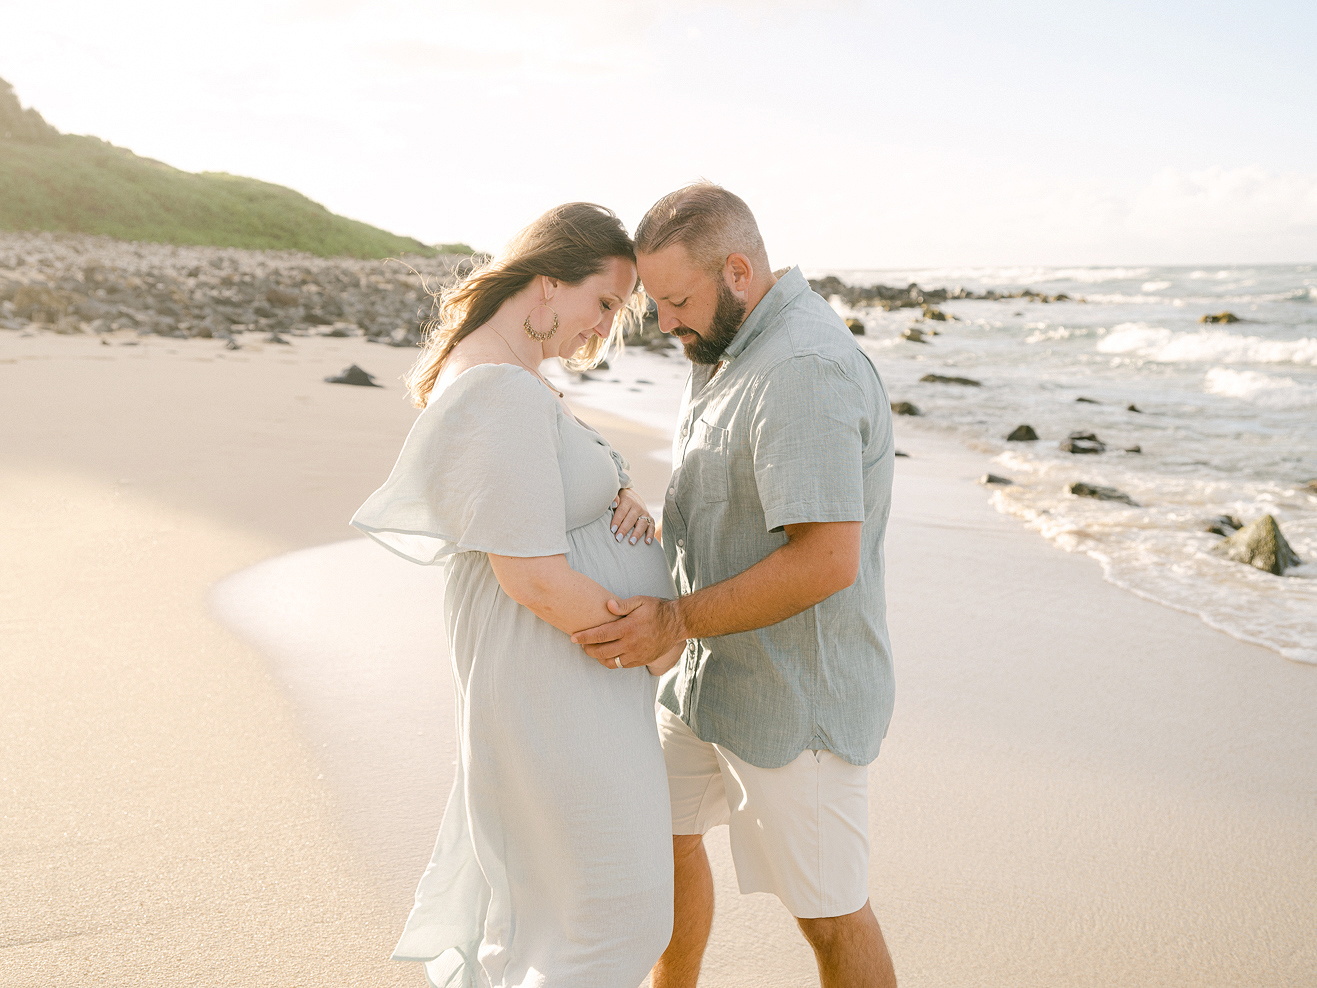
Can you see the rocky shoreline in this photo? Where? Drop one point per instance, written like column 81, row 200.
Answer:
column 914, row 297
column 1260, row 544
column 76, row 283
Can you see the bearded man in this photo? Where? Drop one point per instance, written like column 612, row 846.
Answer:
column 773, row 527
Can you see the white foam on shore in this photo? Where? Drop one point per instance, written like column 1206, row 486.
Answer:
column 1159, row 550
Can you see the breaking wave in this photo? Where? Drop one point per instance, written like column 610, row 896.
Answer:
column 1259, row 389
column 1204, row 346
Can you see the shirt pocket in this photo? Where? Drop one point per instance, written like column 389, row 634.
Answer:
column 706, row 463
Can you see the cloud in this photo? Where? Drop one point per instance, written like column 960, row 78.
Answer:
column 1247, row 200
column 917, row 207
column 413, row 57
column 856, row 145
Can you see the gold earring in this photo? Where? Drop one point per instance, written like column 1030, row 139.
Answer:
column 530, row 330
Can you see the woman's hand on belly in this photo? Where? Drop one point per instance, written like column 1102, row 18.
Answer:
column 631, row 521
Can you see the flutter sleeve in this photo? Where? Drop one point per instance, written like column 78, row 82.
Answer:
column 478, row 473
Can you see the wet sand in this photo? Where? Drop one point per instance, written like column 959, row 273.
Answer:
column 1079, row 787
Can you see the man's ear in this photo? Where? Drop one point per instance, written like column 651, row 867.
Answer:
column 738, row 272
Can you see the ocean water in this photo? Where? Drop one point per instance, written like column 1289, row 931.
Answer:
column 1227, row 419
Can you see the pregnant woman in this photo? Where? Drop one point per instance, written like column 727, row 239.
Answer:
column 554, row 860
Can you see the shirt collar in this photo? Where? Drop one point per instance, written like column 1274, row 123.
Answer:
column 774, row 301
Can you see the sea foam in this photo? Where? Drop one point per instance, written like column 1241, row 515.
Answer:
column 1259, row 389
column 1218, row 346
column 1217, row 419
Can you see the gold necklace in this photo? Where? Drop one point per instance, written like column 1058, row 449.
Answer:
column 531, row 369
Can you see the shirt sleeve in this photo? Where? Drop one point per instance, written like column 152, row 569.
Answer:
column 478, row 473
column 808, row 444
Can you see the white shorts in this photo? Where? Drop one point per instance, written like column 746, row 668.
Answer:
column 800, row 831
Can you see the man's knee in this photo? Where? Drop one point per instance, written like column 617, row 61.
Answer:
column 823, row 933
column 828, row 932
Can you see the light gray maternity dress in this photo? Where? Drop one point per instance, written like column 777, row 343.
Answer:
column 554, row 860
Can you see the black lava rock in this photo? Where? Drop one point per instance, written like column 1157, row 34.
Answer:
column 940, row 379
column 1100, row 493
column 1260, row 544
column 1083, row 442
column 354, row 375
column 1224, row 525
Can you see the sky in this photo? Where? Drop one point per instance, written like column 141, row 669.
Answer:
column 862, row 134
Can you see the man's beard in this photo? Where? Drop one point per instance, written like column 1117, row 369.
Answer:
column 728, row 314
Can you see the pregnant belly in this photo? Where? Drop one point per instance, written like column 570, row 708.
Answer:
column 625, row 569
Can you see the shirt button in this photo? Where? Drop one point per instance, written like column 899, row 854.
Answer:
column 680, row 543
column 672, row 490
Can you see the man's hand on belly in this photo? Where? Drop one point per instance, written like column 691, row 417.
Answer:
column 819, row 559
column 649, row 628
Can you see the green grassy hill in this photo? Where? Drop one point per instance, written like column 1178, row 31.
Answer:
column 65, row 183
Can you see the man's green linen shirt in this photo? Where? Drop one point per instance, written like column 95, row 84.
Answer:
column 796, row 427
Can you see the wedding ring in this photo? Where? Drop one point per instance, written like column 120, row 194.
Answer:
column 617, row 662
column 644, row 518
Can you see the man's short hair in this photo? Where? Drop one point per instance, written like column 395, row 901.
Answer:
column 706, row 219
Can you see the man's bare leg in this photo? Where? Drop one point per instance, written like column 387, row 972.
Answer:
column 692, row 915
column 850, row 950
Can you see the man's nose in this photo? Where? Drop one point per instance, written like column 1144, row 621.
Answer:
column 669, row 323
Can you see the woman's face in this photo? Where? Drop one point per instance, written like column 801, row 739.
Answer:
column 588, row 309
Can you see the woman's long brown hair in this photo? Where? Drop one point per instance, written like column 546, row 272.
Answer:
column 569, row 242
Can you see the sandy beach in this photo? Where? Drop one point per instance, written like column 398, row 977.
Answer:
column 227, row 739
